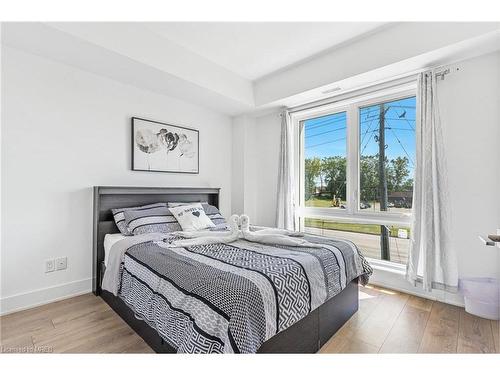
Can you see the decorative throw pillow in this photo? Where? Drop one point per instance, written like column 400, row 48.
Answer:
column 119, row 215
column 211, row 211
column 153, row 220
column 192, row 217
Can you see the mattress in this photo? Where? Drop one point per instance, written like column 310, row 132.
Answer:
column 227, row 298
column 109, row 241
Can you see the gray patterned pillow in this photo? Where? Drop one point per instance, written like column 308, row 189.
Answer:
column 177, row 204
column 213, row 213
column 119, row 215
column 153, row 220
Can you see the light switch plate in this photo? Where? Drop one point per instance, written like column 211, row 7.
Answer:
column 50, row 265
column 61, row 263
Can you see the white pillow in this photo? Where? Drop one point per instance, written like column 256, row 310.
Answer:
column 192, row 217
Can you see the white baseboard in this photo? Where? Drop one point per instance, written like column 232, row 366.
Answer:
column 24, row 301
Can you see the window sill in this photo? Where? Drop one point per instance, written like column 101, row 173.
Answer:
column 392, row 276
column 383, row 265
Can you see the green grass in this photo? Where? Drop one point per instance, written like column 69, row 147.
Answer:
column 351, row 227
column 322, row 202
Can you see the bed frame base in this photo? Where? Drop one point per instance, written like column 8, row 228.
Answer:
column 306, row 336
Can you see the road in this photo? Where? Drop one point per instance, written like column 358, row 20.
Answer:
column 375, row 206
column 369, row 243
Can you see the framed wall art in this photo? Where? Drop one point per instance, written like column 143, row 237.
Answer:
column 162, row 147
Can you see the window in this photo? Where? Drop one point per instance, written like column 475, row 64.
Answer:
column 325, row 156
column 387, row 155
column 357, row 160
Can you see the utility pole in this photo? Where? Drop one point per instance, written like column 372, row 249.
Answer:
column 384, row 233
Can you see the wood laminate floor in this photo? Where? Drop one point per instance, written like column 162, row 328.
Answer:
column 387, row 322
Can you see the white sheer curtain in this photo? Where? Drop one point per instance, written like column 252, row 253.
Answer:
column 285, row 199
column 432, row 261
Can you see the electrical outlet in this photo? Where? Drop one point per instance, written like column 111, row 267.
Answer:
column 61, row 263
column 50, row 265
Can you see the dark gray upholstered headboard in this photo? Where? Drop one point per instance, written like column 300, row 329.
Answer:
column 108, row 197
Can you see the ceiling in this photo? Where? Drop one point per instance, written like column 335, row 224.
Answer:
column 249, row 68
column 255, row 49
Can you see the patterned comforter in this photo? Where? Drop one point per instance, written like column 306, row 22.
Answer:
column 230, row 298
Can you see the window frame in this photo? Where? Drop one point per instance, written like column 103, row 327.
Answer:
column 351, row 106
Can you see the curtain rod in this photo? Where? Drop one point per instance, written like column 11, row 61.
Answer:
column 443, row 73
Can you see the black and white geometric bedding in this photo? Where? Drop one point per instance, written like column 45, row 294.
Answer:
column 230, row 298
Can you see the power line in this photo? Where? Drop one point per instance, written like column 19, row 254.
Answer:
column 391, row 119
column 317, row 126
column 397, row 138
column 324, row 126
column 402, row 116
column 390, row 127
column 328, row 131
column 403, row 106
column 335, row 116
column 328, row 121
column 366, row 132
column 323, row 122
column 406, row 129
column 367, row 142
column 410, row 125
column 367, row 110
column 403, row 147
column 374, row 108
column 325, row 143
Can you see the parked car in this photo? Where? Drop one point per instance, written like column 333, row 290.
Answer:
column 364, row 205
column 401, row 203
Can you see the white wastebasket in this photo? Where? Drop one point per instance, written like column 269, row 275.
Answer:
column 481, row 296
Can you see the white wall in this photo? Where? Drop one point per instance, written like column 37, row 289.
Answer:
column 469, row 102
column 265, row 144
column 244, row 167
column 64, row 131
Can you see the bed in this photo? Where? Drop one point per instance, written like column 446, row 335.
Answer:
column 241, row 297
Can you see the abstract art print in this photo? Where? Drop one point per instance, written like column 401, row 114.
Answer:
column 160, row 147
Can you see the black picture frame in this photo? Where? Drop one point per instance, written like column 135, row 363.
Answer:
column 170, row 127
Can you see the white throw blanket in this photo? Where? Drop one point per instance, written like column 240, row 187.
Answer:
column 272, row 236
column 208, row 237
column 267, row 236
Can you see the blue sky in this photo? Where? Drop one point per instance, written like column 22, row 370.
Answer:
column 326, row 136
